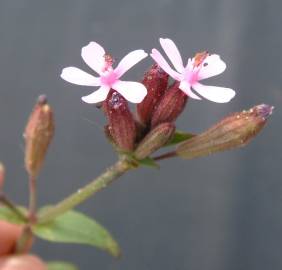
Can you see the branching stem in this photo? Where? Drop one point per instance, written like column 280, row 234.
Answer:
column 99, row 183
column 9, row 204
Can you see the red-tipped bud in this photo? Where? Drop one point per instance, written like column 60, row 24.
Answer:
column 154, row 140
column 170, row 106
column 231, row 132
column 38, row 135
column 2, row 175
column 155, row 80
column 121, row 124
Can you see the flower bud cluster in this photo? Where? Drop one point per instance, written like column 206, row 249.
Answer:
column 156, row 115
column 158, row 103
column 154, row 125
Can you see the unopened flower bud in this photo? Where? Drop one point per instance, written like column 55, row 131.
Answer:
column 155, row 80
column 231, row 132
column 154, row 140
column 121, row 124
column 170, row 106
column 2, row 175
column 38, row 135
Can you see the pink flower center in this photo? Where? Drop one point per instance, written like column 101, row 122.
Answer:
column 192, row 72
column 192, row 76
column 109, row 77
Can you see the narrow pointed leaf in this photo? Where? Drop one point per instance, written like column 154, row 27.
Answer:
column 146, row 162
column 180, row 136
column 56, row 265
column 8, row 215
column 149, row 162
column 77, row 228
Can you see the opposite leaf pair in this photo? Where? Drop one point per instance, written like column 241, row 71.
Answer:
column 202, row 66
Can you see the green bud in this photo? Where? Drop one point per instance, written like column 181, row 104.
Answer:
column 154, row 140
column 233, row 131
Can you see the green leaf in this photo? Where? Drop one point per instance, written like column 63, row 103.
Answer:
column 60, row 266
column 180, row 136
column 148, row 162
column 77, row 228
column 8, row 215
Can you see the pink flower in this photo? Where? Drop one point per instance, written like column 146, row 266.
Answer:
column 202, row 66
column 95, row 57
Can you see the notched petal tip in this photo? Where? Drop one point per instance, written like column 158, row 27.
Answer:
column 93, row 55
column 153, row 52
column 95, row 46
column 141, row 51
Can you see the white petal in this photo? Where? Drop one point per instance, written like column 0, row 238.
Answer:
column 212, row 66
column 132, row 91
column 172, row 53
column 97, row 96
column 78, row 76
column 156, row 55
column 129, row 61
column 93, row 55
column 214, row 93
column 186, row 88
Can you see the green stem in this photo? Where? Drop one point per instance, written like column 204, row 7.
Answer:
column 5, row 201
column 85, row 192
column 24, row 242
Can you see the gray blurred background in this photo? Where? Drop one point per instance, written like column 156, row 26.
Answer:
column 214, row 213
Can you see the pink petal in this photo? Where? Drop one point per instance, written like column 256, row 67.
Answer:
column 172, row 53
column 212, row 66
column 93, row 55
column 189, row 65
column 132, row 91
column 78, row 76
column 186, row 88
column 129, row 61
column 214, row 93
column 156, row 55
column 97, row 96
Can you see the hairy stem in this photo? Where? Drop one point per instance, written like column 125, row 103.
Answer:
column 99, row 183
